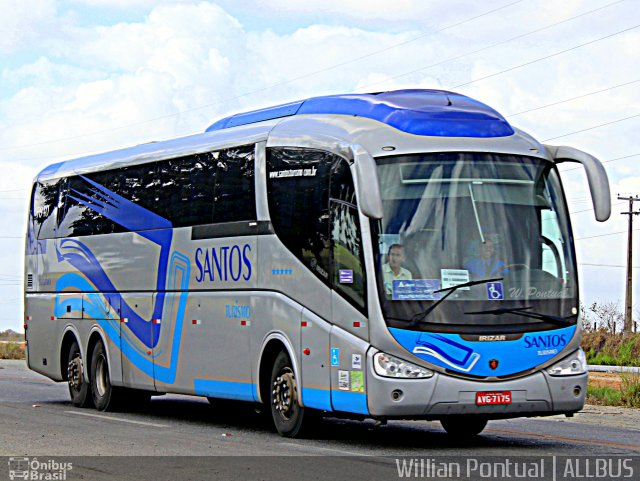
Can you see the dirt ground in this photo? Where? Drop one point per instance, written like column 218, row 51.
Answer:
column 605, row 379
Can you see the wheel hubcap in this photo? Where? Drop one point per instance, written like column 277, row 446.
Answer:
column 74, row 373
column 284, row 393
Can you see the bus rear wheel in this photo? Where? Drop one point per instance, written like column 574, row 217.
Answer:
column 105, row 396
column 78, row 387
column 463, row 426
column 288, row 415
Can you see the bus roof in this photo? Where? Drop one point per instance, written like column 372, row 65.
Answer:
column 419, row 112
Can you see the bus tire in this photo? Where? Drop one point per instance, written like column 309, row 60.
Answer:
column 78, row 387
column 105, row 396
column 288, row 416
column 463, row 426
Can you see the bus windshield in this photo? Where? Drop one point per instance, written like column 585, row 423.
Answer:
column 474, row 243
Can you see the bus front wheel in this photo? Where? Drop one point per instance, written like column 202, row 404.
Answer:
column 78, row 387
column 463, row 426
column 288, row 415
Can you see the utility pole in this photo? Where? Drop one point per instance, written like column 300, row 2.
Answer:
column 628, row 319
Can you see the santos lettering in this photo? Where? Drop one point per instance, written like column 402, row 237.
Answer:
column 223, row 263
column 548, row 340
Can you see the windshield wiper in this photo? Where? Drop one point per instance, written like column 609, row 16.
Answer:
column 422, row 315
column 520, row 311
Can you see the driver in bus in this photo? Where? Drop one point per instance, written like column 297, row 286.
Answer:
column 486, row 263
column 392, row 270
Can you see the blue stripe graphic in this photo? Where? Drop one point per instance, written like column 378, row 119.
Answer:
column 316, row 398
column 242, row 391
column 350, row 402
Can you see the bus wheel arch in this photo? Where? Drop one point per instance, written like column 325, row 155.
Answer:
column 73, row 370
column 280, row 388
column 270, row 351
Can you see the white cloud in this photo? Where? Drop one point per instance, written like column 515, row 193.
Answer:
column 22, row 22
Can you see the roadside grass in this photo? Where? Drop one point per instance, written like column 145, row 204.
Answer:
column 604, row 396
column 628, row 395
column 11, row 351
column 607, row 349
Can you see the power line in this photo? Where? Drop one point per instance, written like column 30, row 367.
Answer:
column 604, row 235
column 502, row 42
column 587, row 210
column 604, row 162
column 546, row 57
column 591, row 128
column 573, row 98
column 604, row 265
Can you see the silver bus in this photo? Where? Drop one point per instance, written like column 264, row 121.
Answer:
column 397, row 255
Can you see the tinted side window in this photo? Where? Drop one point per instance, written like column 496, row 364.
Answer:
column 45, row 208
column 139, row 184
column 346, row 238
column 298, row 192
column 234, row 185
column 77, row 218
column 186, row 189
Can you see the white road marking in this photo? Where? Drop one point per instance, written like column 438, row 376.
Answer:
column 304, row 447
column 111, row 418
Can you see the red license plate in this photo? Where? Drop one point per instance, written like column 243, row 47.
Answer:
column 493, row 398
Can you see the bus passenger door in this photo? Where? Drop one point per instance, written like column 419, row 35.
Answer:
column 137, row 327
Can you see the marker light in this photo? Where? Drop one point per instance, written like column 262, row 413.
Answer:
column 390, row 366
column 576, row 363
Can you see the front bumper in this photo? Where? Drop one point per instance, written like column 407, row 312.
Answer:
column 440, row 396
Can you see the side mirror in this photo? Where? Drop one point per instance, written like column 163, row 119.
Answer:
column 596, row 176
column 366, row 173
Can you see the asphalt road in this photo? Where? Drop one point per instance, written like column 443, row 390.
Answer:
column 184, row 437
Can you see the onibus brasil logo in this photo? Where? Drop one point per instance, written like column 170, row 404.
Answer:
column 34, row 469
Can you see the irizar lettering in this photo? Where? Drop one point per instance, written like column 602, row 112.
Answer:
column 224, row 263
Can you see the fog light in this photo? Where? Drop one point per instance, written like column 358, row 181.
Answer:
column 396, row 395
column 577, row 391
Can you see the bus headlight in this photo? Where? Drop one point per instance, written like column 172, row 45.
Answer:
column 390, row 366
column 576, row 363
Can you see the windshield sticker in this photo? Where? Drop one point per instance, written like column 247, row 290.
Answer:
column 453, row 277
column 415, row 290
column 346, row 276
column 495, row 291
column 343, row 380
column 535, row 293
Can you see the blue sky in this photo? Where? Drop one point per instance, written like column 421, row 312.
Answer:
column 84, row 76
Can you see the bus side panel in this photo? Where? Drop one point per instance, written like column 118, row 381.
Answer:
column 278, row 319
column 137, row 340
column 347, row 356
column 315, row 364
column 213, row 343
column 43, row 336
column 102, row 310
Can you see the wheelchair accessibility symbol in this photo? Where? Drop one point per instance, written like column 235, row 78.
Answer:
column 495, row 291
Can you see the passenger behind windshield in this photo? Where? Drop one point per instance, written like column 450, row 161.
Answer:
column 392, row 270
column 484, row 261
